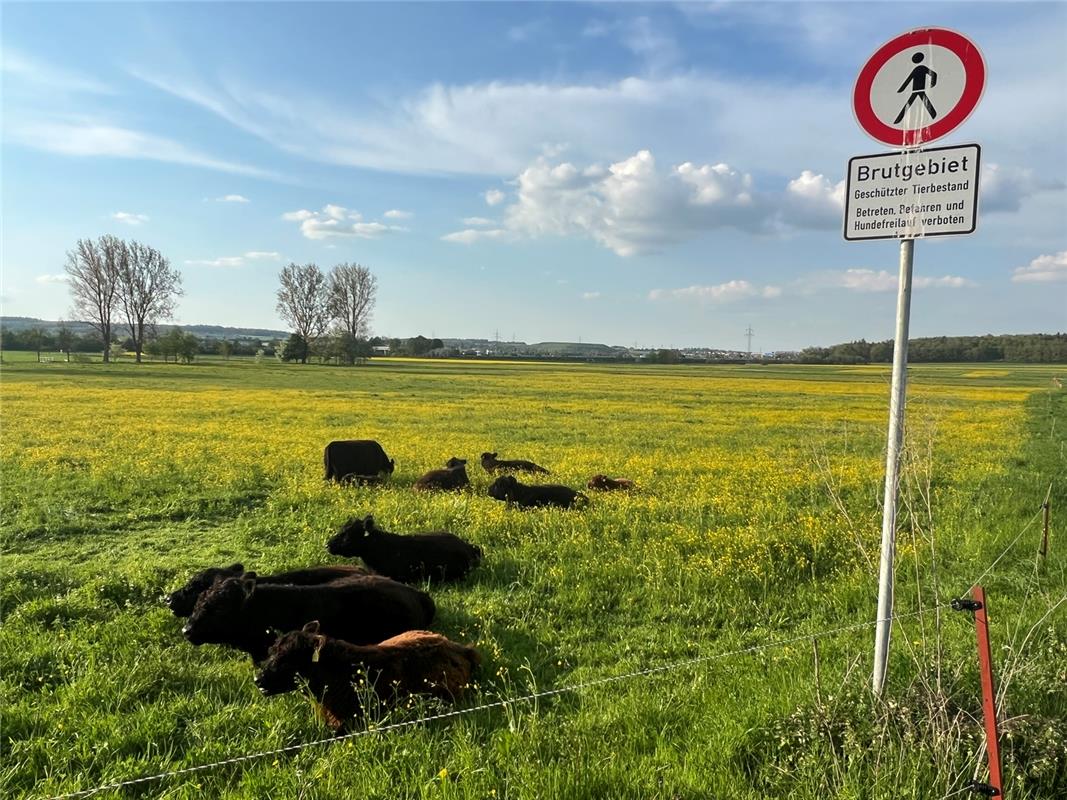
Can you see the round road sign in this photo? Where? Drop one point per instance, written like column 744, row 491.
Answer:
column 918, row 86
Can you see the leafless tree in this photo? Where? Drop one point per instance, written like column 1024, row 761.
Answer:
column 352, row 290
column 302, row 301
column 147, row 291
column 93, row 270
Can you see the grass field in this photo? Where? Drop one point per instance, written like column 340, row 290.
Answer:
column 757, row 521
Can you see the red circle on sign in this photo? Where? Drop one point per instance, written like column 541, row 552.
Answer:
column 974, row 85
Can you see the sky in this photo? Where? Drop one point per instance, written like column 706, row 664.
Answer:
column 660, row 175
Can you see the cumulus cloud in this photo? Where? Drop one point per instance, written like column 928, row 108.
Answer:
column 128, row 218
column 51, row 278
column 337, row 221
column 719, row 293
column 236, row 261
column 494, row 197
column 637, row 206
column 1043, row 269
column 231, row 198
column 396, row 213
column 590, row 295
column 1005, row 188
column 629, row 207
column 869, row 280
column 813, row 201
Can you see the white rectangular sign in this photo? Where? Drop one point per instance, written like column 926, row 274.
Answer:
column 931, row 192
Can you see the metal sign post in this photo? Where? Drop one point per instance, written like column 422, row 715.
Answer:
column 892, row 465
column 916, row 88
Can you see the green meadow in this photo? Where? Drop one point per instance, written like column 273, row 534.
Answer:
column 729, row 597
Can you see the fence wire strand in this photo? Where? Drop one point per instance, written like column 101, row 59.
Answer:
column 576, row 687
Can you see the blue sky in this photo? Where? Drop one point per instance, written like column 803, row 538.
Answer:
column 663, row 174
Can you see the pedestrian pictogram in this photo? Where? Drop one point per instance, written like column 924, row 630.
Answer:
column 918, row 87
column 917, row 80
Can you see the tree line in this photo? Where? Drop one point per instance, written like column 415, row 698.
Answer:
column 1041, row 348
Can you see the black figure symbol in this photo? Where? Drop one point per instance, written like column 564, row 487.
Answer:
column 917, row 79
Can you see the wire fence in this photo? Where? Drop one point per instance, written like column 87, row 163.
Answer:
column 534, row 696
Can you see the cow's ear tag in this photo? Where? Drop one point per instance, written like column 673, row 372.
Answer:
column 319, row 642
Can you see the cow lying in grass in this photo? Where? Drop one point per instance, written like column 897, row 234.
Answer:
column 605, row 484
column 453, row 476
column 240, row 613
column 490, row 463
column 181, row 601
column 508, row 488
column 438, row 556
column 416, row 662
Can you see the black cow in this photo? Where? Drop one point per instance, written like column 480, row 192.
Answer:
column 453, row 476
column 490, row 463
column 507, row 488
column 422, row 556
column 181, row 601
column 363, row 610
column 362, row 457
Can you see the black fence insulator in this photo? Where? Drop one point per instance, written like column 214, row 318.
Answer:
column 963, row 604
column 984, row 789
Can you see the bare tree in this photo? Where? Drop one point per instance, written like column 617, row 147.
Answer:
column 302, row 301
column 148, row 289
column 93, row 270
column 351, row 295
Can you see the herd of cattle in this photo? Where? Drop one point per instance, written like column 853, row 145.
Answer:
column 331, row 624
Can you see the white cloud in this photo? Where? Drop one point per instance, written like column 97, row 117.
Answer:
column 635, row 206
column 813, row 201
column 337, row 221
column 472, row 235
column 1043, row 269
column 128, row 218
column 631, row 206
column 81, row 136
column 494, row 197
column 232, row 198
column 590, row 295
column 868, row 280
column 51, row 278
column 236, row 261
column 396, row 213
column 728, row 292
column 1005, row 188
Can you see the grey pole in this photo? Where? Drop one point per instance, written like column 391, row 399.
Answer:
column 892, row 467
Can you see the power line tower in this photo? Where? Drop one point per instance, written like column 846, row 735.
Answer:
column 749, row 333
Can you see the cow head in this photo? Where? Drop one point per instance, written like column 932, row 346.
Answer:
column 503, row 488
column 353, row 535
column 182, row 601
column 216, row 618
column 454, row 462
column 391, row 467
column 294, row 654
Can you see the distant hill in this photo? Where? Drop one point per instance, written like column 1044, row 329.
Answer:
column 201, row 331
